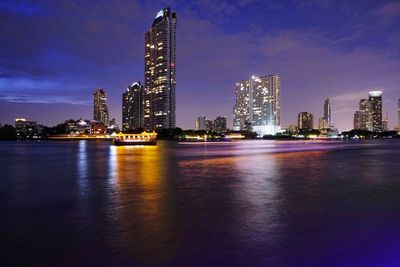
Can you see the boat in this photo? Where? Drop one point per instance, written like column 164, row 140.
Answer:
column 142, row 139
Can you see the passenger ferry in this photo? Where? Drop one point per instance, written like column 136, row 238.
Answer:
column 143, row 139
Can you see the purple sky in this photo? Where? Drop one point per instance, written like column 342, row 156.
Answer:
column 54, row 53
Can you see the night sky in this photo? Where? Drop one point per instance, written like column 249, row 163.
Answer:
column 53, row 54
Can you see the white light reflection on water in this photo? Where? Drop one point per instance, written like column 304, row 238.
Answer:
column 257, row 195
column 82, row 167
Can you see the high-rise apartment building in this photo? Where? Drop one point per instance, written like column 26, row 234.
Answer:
column 160, row 72
column 363, row 117
column 100, row 108
column 375, row 98
column 133, row 107
column 220, row 124
column 327, row 112
column 200, row 124
column 305, row 121
column 258, row 105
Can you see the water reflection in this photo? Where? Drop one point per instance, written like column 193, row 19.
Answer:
column 138, row 175
column 82, row 163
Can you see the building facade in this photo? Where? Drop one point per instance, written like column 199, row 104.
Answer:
column 363, row 117
column 200, row 124
column 258, row 105
column 375, row 98
column 323, row 124
column 305, row 121
column 160, row 72
column 133, row 107
column 100, row 108
column 220, row 124
column 327, row 112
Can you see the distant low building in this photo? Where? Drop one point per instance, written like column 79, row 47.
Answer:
column 305, row 121
column 200, row 124
column 209, row 125
column 323, row 124
column 220, row 124
column 27, row 129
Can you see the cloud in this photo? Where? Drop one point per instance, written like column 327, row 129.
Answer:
column 43, row 100
column 389, row 10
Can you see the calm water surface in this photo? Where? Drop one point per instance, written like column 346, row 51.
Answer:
column 250, row 203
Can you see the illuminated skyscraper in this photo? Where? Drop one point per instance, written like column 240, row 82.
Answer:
column 305, row 121
column 363, row 116
column 327, row 112
column 160, row 72
column 375, row 98
column 132, row 107
column 100, row 108
column 258, row 105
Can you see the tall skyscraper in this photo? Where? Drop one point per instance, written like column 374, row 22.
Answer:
column 133, row 107
column 258, row 105
column 327, row 112
column 200, row 124
column 305, row 121
column 375, row 98
column 100, row 108
column 160, row 72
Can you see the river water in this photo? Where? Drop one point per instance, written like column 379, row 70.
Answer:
column 246, row 203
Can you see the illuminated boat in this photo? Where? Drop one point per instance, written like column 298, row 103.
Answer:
column 143, row 139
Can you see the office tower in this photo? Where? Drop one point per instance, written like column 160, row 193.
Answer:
column 200, row 124
column 258, row 105
column 327, row 112
column 133, row 107
column 220, row 124
column 160, row 65
column 209, row 126
column 305, row 121
column 375, row 98
column 100, row 109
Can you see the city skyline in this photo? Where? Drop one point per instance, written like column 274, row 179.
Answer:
column 58, row 81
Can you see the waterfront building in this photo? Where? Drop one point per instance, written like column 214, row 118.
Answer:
column 160, row 72
column 100, row 108
column 375, row 99
column 27, row 129
column 97, row 128
column 327, row 113
column 385, row 124
column 200, row 124
column 258, row 105
column 209, row 125
column 220, row 124
column 305, row 121
column 363, row 116
column 323, row 123
column 133, row 107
